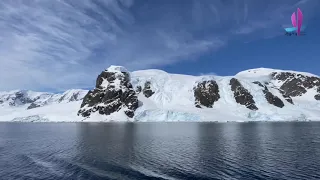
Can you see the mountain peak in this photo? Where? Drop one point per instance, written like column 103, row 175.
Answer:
column 114, row 68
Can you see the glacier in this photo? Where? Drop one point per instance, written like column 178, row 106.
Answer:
column 173, row 100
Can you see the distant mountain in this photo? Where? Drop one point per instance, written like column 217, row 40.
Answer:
column 31, row 99
column 23, row 105
column 153, row 95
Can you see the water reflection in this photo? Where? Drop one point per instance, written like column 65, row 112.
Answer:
column 249, row 151
column 160, row 151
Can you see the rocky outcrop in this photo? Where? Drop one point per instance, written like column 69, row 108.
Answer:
column 19, row 98
column 147, row 91
column 33, row 105
column 138, row 89
column 258, row 83
column 242, row 95
column 206, row 93
column 295, row 84
column 272, row 99
column 113, row 92
column 71, row 96
column 317, row 96
column 286, row 97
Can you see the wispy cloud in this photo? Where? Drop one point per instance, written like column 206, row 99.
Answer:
column 208, row 74
column 270, row 19
column 61, row 44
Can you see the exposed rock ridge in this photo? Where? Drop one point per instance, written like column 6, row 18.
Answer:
column 272, row 99
column 206, row 93
column 296, row 84
column 242, row 95
column 317, row 96
column 147, row 91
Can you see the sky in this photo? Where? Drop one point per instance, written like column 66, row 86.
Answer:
column 54, row 45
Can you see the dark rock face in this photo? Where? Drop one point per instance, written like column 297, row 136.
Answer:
column 272, row 99
column 113, row 92
column 147, row 89
column 295, row 84
column 206, row 93
column 287, row 98
column 242, row 95
column 74, row 97
column 258, row 83
column 33, row 105
column 19, row 98
column 317, row 96
column 139, row 89
column 24, row 100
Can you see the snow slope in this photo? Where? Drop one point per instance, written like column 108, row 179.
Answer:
column 173, row 100
column 55, row 112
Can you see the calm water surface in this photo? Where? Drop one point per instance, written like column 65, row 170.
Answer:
column 160, row 151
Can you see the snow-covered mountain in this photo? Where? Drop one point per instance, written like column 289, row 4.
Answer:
column 153, row 95
column 22, row 105
column 31, row 99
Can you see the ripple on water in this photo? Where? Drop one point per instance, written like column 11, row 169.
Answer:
column 161, row 151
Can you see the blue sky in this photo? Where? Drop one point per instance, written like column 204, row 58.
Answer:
column 60, row 44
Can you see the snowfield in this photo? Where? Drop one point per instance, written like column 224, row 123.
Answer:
column 173, row 100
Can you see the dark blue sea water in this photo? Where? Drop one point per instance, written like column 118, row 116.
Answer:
column 141, row 151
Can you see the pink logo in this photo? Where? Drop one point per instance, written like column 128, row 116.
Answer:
column 296, row 20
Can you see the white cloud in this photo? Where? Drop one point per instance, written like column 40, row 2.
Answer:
column 208, row 74
column 61, row 44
